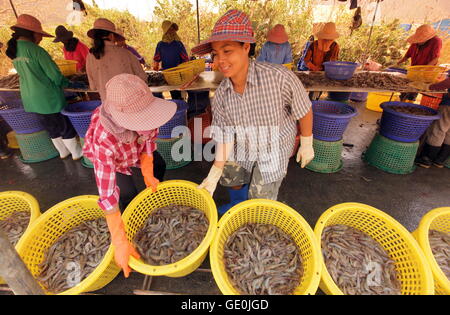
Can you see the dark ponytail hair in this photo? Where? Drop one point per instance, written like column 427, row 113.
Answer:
column 71, row 44
column 99, row 43
column 11, row 51
column 252, row 50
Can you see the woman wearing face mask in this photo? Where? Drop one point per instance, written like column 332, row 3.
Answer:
column 41, row 84
column 255, row 109
column 107, row 60
column 324, row 48
column 119, row 141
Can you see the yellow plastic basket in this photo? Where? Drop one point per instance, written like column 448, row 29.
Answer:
column 179, row 75
column 425, row 74
column 439, row 220
column 53, row 224
column 67, row 67
column 171, row 192
column 197, row 64
column 374, row 100
column 12, row 140
column 268, row 212
column 18, row 201
column 290, row 66
column 410, row 262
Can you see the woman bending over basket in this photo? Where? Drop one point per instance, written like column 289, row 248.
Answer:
column 107, row 60
column 121, row 138
column 255, row 114
column 41, row 84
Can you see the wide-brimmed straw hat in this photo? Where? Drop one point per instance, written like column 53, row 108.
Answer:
column 423, row 33
column 30, row 23
column 166, row 25
column 103, row 24
column 277, row 34
column 120, row 32
column 62, row 34
column 133, row 106
column 328, row 31
column 233, row 26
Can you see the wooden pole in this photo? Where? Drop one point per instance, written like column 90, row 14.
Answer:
column 198, row 24
column 14, row 271
column 14, row 9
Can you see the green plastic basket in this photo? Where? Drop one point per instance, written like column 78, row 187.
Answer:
column 327, row 156
column 85, row 161
column 165, row 149
column 391, row 156
column 36, row 147
column 447, row 164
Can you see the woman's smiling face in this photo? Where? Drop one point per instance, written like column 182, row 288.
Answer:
column 229, row 57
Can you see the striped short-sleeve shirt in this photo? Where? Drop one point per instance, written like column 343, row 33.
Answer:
column 262, row 121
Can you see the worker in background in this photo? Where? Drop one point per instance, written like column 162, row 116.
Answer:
column 120, row 141
column 170, row 52
column 42, row 84
column 73, row 48
column 425, row 50
column 277, row 48
column 324, row 49
column 121, row 41
column 106, row 60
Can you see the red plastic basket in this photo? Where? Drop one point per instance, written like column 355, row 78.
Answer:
column 206, row 122
column 431, row 100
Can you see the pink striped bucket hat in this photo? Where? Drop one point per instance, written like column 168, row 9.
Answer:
column 133, row 106
column 233, row 26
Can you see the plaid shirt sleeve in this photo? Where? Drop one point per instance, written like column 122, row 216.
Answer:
column 295, row 96
column 221, row 131
column 105, row 176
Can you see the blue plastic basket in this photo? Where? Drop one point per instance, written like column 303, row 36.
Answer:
column 331, row 119
column 179, row 119
column 18, row 119
column 359, row 96
column 340, row 70
column 80, row 115
column 405, row 127
column 399, row 70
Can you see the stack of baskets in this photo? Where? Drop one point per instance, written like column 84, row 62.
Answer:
column 80, row 116
column 185, row 72
column 34, row 142
column 394, row 149
column 431, row 100
column 330, row 121
column 166, row 141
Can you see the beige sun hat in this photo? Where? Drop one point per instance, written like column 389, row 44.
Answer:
column 30, row 23
column 103, row 24
column 133, row 106
column 423, row 33
column 328, row 31
column 166, row 25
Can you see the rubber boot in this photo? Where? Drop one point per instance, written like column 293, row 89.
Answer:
column 74, row 147
column 443, row 155
column 59, row 145
column 5, row 152
column 236, row 196
column 429, row 154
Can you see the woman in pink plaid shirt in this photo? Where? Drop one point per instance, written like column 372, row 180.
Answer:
column 120, row 138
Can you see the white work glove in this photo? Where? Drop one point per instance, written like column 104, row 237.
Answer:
column 210, row 182
column 306, row 151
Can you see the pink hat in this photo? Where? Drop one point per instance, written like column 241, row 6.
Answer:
column 30, row 23
column 133, row 106
column 277, row 34
column 233, row 26
column 423, row 33
column 103, row 24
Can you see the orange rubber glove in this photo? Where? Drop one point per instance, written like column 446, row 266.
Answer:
column 122, row 247
column 147, row 171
